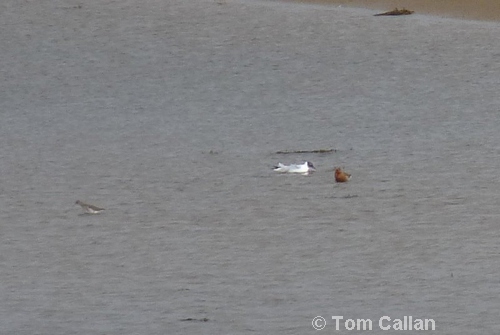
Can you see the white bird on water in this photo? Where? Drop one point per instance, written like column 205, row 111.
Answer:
column 90, row 209
column 303, row 169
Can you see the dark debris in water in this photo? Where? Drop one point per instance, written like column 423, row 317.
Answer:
column 319, row 151
column 395, row 12
column 349, row 196
column 194, row 319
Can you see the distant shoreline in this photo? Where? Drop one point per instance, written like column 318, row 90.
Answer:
column 484, row 10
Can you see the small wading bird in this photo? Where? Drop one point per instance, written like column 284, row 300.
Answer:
column 303, row 169
column 90, row 209
column 341, row 176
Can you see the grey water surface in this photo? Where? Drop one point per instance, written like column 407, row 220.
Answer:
column 169, row 114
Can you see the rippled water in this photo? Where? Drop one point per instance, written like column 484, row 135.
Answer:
column 170, row 113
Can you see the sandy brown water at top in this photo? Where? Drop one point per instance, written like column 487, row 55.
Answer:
column 488, row 10
column 169, row 114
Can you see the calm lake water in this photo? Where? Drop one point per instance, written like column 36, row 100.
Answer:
column 169, row 114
